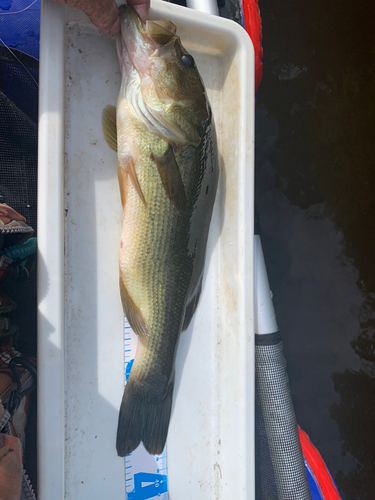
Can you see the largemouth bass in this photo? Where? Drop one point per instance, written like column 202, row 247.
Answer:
column 164, row 134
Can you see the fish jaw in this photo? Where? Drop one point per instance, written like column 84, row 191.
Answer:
column 134, row 46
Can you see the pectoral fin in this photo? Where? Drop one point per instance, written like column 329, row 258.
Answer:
column 135, row 181
column 171, row 178
column 109, row 126
column 126, row 168
column 132, row 312
column 123, row 184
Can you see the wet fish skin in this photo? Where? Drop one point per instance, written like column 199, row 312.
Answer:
column 168, row 173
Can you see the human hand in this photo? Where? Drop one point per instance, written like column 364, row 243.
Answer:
column 141, row 6
column 104, row 14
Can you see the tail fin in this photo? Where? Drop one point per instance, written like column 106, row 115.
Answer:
column 143, row 419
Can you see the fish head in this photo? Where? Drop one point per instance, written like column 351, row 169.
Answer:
column 171, row 93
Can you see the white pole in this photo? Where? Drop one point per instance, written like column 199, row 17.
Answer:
column 264, row 312
column 207, row 6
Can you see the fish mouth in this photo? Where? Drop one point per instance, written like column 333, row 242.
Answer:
column 142, row 42
column 130, row 21
column 133, row 43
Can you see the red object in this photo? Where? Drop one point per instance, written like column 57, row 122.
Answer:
column 253, row 26
column 318, row 467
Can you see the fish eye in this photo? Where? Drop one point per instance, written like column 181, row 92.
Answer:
column 188, row 60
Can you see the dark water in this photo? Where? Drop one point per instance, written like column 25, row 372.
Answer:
column 315, row 191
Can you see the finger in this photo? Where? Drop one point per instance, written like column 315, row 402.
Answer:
column 102, row 13
column 141, row 6
column 105, row 16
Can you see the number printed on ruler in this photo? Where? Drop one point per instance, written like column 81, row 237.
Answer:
column 145, row 474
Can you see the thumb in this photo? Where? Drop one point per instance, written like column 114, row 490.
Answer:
column 102, row 13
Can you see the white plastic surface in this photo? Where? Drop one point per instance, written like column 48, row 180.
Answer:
column 211, row 438
column 51, row 256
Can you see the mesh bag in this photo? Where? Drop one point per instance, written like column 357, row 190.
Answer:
column 280, row 468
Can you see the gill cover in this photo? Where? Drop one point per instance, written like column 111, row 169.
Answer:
column 164, row 92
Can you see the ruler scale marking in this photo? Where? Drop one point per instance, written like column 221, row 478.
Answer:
column 145, row 474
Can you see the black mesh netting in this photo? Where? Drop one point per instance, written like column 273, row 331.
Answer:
column 18, row 177
column 18, row 186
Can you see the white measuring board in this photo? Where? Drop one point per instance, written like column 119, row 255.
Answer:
column 80, row 317
column 145, row 474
